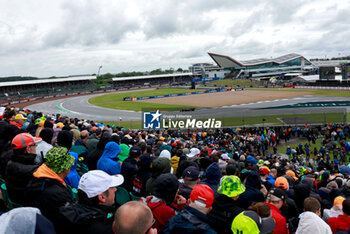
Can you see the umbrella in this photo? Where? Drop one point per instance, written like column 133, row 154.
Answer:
column 344, row 170
column 284, row 156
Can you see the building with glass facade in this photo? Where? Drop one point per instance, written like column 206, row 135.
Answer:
column 262, row 67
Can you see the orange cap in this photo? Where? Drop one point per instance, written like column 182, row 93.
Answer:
column 282, row 183
column 338, row 201
column 291, row 174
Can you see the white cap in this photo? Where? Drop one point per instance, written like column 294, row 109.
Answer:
column 193, row 152
column 165, row 154
column 96, row 181
column 225, row 156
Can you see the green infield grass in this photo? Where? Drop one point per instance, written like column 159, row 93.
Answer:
column 115, row 100
column 338, row 93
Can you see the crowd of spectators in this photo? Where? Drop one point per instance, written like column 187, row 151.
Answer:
column 67, row 175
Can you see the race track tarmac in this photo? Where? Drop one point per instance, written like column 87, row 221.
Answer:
column 80, row 108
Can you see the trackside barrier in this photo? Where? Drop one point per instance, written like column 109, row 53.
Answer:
column 185, row 94
column 321, row 87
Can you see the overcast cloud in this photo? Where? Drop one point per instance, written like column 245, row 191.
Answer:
column 57, row 38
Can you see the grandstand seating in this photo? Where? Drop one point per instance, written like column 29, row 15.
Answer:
column 8, row 203
column 122, row 196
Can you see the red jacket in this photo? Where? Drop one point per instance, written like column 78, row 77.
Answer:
column 16, row 124
column 281, row 222
column 339, row 224
column 161, row 212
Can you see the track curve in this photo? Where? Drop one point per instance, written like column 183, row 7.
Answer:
column 78, row 107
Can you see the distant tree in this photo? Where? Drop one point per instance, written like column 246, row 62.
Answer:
column 179, row 70
column 17, row 78
column 156, row 72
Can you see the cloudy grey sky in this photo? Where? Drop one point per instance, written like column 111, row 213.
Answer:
column 56, row 38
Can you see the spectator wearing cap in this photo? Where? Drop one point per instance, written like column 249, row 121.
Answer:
column 18, row 121
column 95, row 211
column 194, row 153
column 21, row 166
column 342, row 222
column 292, row 174
column 194, row 219
column 47, row 190
column 264, row 173
column 191, row 179
column 282, row 183
column 252, row 193
column 310, row 221
column 250, row 222
column 165, row 154
column 225, row 206
column 290, row 208
column 275, row 200
column 336, row 210
column 183, row 164
column 109, row 159
column 165, row 193
column 129, row 167
column 134, row 217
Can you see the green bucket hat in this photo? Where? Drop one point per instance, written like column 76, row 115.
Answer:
column 58, row 159
column 231, row 186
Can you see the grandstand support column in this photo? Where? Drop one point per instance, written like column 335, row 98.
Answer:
column 98, row 74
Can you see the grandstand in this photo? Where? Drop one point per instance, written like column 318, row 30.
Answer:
column 15, row 90
column 152, row 80
column 258, row 68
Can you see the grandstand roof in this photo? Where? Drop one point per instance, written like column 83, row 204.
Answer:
column 329, row 63
column 152, row 76
column 226, row 61
column 43, row 81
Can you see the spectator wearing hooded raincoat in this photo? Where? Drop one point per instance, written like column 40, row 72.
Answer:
column 252, row 192
column 212, row 177
column 125, row 149
column 159, row 166
column 109, row 159
column 73, row 178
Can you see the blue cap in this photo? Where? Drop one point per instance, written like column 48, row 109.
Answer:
column 135, row 152
column 191, row 173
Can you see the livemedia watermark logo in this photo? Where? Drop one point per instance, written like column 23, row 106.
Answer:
column 158, row 120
